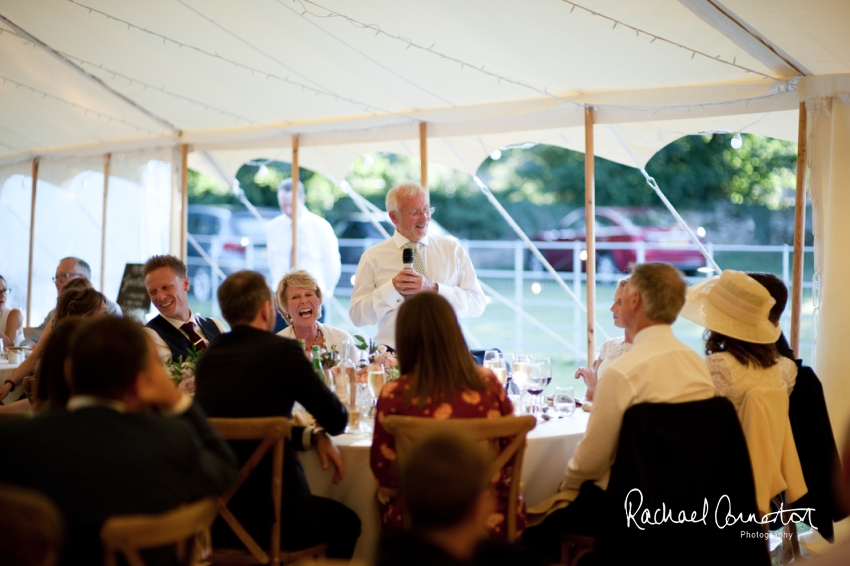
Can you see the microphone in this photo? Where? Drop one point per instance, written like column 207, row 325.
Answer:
column 407, row 258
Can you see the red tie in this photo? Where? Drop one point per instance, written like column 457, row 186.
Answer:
column 197, row 341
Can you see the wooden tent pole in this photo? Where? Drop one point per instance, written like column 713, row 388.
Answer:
column 799, row 233
column 590, row 217
column 107, row 161
column 423, row 154
column 296, row 178
column 32, row 240
column 184, row 198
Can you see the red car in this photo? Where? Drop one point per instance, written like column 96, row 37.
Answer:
column 654, row 227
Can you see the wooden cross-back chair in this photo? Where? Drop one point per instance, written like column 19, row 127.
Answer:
column 409, row 430
column 186, row 527
column 271, row 432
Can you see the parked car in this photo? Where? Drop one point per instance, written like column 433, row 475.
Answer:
column 359, row 226
column 235, row 232
column 614, row 224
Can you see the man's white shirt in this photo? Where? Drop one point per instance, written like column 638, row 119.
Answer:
column 318, row 249
column 374, row 299
column 162, row 349
column 658, row 369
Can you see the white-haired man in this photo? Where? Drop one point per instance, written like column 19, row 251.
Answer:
column 441, row 265
column 318, row 247
column 69, row 268
column 658, row 369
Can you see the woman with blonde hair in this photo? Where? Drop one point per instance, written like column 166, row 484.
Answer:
column 299, row 301
column 439, row 379
column 611, row 349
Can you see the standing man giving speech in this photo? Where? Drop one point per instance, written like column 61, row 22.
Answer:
column 439, row 264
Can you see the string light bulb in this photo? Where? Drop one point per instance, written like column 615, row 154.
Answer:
column 496, row 154
column 737, row 142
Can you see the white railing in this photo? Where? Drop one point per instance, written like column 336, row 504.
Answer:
column 530, row 295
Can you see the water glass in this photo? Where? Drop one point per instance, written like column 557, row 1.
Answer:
column 565, row 400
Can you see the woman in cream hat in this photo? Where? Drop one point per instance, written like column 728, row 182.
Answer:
column 739, row 340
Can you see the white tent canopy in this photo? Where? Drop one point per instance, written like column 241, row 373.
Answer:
column 238, row 79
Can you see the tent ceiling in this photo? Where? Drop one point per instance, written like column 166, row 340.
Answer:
column 238, row 79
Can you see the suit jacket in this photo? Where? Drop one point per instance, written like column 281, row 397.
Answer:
column 249, row 373
column 96, row 462
column 175, row 340
column 681, row 455
column 817, row 450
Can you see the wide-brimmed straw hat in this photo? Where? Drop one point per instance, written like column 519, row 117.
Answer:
column 733, row 304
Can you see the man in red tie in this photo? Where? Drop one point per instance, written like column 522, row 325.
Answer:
column 176, row 331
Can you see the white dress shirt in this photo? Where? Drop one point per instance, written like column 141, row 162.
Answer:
column 162, row 348
column 658, row 369
column 374, row 300
column 318, row 249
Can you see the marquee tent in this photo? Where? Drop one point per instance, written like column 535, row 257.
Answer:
column 213, row 83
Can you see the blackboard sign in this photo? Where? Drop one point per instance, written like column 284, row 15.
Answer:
column 133, row 295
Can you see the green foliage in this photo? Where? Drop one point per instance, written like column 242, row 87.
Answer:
column 539, row 184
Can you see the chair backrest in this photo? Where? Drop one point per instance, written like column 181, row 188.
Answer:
column 408, row 430
column 186, row 527
column 271, row 432
column 683, row 457
column 776, row 465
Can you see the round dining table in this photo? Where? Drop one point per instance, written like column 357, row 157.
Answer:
column 550, row 445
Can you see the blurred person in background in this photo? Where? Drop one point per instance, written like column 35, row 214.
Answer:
column 31, row 528
column 77, row 300
column 53, row 388
column 69, row 269
column 11, row 320
column 439, row 379
column 318, row 247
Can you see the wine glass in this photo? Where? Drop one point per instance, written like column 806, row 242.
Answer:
column 522, row 368
column 500, row 369
column 547, row 370
column 534, row 385
column 490, row 358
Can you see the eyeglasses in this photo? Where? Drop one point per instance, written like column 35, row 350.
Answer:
column 422, row 212
column 5, row 292
column 66, row 276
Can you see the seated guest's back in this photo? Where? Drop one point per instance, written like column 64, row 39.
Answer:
column 52, row 387
column 247, row 373
column 450, row 500
column 439, row 379
column 103, row 457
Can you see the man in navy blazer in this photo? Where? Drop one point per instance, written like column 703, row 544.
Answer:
column 250, row 372
column 176, row 330
column 103, row 456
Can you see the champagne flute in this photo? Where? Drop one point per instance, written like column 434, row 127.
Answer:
column 522, row 368
column 500, row 369
column 376, row 379
column 491, row 357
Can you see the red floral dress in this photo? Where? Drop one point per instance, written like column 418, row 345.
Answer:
column 492, row 403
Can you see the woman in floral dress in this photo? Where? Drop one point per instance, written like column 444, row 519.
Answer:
column 439, row 379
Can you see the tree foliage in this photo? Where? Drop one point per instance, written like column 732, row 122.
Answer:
column 539, row 184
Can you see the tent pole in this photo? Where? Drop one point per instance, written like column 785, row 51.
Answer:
column 184, row 198
column 296, row 178
column 590, row 216
column 423, row 154
column 799, row 233
column 107, row 161
column 32, row 239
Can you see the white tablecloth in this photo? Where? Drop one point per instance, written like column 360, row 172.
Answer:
column 550, row 447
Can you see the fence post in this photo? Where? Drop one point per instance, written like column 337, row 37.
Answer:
column 785, row 249
column 215, row 246
column 709, row 247
column 641, row 252
column 519, row 280
column 577, row 326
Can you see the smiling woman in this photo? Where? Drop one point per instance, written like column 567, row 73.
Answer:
column 299, row 300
